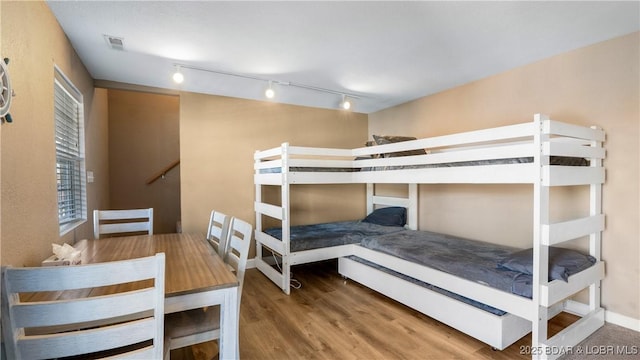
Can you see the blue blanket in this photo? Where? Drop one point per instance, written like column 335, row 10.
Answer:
column 307, row 237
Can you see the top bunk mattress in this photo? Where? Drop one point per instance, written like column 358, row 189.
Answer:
column 308, row 237
column 554, row 160
column 471, row 259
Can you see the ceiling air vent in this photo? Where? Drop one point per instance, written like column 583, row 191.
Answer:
column 116, row 43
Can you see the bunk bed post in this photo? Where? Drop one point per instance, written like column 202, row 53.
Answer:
column 540, row 251
column 286, row 224
column 412, row 209
column 595, row 239
column 258, row 200
column 371, row 191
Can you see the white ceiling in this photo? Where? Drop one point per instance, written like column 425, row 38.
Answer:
column 386, row 53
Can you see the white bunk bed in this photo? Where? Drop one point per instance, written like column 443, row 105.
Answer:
column 474, row 154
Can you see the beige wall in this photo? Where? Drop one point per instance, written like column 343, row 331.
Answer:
column 218, row 136
column 596, row 85
column 144, row 140
column 33, row 40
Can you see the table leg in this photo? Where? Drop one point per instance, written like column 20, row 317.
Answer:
column 229, row 325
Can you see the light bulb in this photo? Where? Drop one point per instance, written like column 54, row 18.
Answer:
column 346, row 104
column 177, row 76
column 269, row 93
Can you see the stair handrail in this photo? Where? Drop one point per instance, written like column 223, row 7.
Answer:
column 163, row 172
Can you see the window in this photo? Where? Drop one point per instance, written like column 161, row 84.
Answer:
column 70, row 166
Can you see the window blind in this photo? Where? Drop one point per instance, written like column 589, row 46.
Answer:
column 68, row 113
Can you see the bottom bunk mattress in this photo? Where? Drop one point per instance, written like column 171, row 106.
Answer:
column 498, row 266
column 315, row 236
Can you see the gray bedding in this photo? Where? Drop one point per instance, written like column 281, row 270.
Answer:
column 482, row 262
column 398, row 241
column 554, row 160
column 469, row 259
column 308, row 237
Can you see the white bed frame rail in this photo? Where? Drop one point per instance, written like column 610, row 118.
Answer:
column 539, row 140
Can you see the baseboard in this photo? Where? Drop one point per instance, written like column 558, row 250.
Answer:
column 251, row 263
column 622, row 320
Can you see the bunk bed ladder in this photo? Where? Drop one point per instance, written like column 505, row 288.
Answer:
column 257, row 201
column 546, row 234
column 280, row 277
column 595, row 238
column 540, row 252
column 286, row 222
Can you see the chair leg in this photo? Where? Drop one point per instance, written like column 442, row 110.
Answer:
column 167, row 349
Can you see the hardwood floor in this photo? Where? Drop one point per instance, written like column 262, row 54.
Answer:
column 330, row 318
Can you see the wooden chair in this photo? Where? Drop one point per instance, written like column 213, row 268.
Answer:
column 201, row 325
column 122, row 221
column 218, row 231
column 127, row 324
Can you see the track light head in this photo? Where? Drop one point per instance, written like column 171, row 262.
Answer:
column 177, row 76
column 346, row 104
column 269, row 93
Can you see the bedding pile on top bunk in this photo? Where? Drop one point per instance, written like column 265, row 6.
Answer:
column 554, row 160
column 387, row 139
column 383, row 140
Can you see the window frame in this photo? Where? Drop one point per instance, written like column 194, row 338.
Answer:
column 76, row 184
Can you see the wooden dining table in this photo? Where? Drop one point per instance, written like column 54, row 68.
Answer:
column 195, row 276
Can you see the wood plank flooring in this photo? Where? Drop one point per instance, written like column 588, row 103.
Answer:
column 330, row 318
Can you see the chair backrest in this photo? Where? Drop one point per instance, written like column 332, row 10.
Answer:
column 200, row 325
column 238, row 249
column 75, row 323
column 122, row 221
column 218, row 231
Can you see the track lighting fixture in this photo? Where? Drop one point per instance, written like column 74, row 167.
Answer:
column 177, row 76
column 269, row 93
